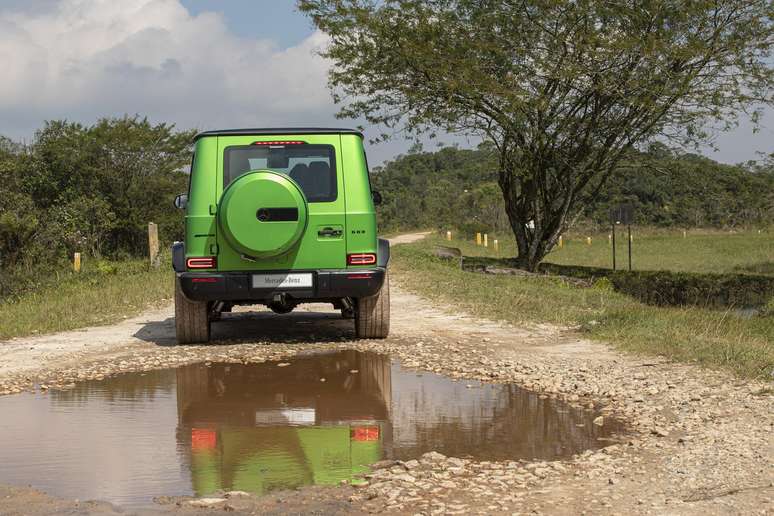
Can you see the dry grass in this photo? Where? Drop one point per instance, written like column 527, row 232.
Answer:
column 712, row 338
column 98, row 295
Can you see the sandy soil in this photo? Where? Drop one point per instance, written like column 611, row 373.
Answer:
column 700, row 442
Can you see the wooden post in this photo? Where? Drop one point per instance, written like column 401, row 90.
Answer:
column 561, row 241
column 609, row 238
column 685, row 234
column 448, row 235
column 588, row 240
column 478, row 238
column 496, row 246
column 486, row 240
column 77, row 262
column 153, row 244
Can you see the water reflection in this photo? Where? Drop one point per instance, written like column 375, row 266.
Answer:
column 314, row 419
column 322, row 418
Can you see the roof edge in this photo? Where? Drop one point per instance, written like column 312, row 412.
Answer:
column 278, row 131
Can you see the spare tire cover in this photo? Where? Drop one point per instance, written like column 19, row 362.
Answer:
column 263, row 213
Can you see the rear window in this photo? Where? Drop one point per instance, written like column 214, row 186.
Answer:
column 313, row 167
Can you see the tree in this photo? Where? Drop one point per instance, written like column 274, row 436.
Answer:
column 563, row 89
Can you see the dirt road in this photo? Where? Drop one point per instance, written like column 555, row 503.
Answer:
column 700, row 442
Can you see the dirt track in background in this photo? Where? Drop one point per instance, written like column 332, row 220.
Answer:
column 700, row 441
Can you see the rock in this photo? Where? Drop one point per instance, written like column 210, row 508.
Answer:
column 235, row 494
column 599, row 421
column 433, row 456
column 206, row 502
column 661, row 432
column 411, row 464
column 454, row 461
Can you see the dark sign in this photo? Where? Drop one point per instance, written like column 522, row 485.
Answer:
column 622, row 214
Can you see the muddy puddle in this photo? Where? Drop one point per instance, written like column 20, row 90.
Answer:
column 314, row 419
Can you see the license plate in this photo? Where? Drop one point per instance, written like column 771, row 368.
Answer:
column 282, row 281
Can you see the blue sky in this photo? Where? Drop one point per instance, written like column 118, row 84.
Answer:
column 203, row 64
column 278, row 20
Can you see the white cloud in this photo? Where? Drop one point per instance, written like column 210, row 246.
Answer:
column 82, row 59
column 85, row 59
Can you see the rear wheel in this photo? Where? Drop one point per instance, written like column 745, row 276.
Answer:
column 372, row 314
column 192, row 321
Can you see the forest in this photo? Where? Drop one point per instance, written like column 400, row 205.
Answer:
column 454, row 188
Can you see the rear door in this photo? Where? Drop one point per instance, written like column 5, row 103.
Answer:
column 314, row 163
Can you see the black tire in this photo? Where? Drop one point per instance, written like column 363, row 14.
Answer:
column 192, row 321
column 372, row 314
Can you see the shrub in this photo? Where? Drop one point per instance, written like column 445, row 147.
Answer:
column 658, row 287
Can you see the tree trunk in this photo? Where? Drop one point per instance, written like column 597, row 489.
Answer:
column 523, row 207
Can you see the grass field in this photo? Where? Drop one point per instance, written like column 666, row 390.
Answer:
column 99, row 294
column 709, row 337
column 698, row 251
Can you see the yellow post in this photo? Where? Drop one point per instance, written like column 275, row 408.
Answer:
column 609, row 238
column 631, row 238
column 685, row 234
column 478, row 238
column 153, row 244
column 561, row 241
column 486, row 240
column 496, row 246
column 588, row 240
column 448, row 235
column 77, row 262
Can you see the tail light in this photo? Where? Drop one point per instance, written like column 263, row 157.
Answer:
column 203, row 439
column 364, row 433
column 202, row 262
column 361, row 259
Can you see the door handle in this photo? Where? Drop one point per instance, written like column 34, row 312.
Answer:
column 329, row 232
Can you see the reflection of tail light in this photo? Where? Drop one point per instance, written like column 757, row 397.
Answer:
column 203, row 439
column 364, row 433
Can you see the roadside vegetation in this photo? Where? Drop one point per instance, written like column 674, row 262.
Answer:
column 103, row 292
column 714, row 338
column 702, row 250
column 87, row 189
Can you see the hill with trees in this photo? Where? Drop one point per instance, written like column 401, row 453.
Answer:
column 457, row 188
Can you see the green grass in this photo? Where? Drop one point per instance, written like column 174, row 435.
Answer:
column 699, row 251
column 101, row 293
column 711, row 338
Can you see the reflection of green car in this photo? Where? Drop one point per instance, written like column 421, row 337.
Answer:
column 280, row 217
column 261, row 428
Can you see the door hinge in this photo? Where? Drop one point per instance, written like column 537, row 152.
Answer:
column 214, row 249
column 213, row 209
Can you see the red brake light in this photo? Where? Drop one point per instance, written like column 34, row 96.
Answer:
column 205, row 280
column 294, row 142
column 204, row 262
column 361, row 259
column 362, row 275
column 364, row 433
column 203, row 439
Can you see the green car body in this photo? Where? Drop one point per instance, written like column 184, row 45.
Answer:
column 280, row 217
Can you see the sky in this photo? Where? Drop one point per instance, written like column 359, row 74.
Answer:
column 204, row 64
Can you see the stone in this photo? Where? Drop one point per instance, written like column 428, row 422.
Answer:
column 206, row 502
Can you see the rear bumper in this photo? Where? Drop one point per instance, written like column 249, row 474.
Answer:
column 238, row 286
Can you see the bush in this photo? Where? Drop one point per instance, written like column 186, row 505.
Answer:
column 659, row 287
column 678, row 288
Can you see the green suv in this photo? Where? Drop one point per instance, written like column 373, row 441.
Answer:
column 280, row 217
